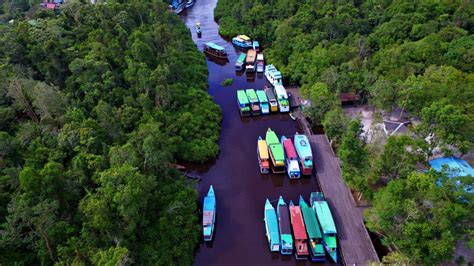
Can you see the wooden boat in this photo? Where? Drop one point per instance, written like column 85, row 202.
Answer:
column 215, row 50
column 198, row 27
column 209, row 214
column 293, row 116
column 299, row 232
column 305, row 154
column 243, row 103
column 323, row 213
column 282, row 98
column 271, row 227
column 262, row 156
column 250, row 60
column 315, row 236
column 242, row 41
column 271, row 99
column 239, row 65
column 273, row 75
column 253, row 99
column 190, row 3
column 260, row 63
column 286, row 240
column 275, row 150
column 256, row 46
column 291, row 159
column 262, row 98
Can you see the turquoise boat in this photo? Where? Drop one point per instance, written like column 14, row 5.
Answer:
column 286, row 239
column 209, row 214
column 262, row 98
column 239, row 64
column 315, row 236
column 305, row 154
column 323, row 213
column 243, row 103
column 271, row 227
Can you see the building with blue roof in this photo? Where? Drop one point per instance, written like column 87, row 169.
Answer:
column 453, row 167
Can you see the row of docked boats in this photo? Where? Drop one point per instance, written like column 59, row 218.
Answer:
column 179, row 6
column 308, row 230
column 291, row 156
column 250, row 62
column 245, row 42
column 261, row 102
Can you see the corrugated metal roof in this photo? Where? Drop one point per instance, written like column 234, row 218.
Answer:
column 290, row 151
column 299, row 229
column 312, row 226
column 242, row 97
column 325, row 217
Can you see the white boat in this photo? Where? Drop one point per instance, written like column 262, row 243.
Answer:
column 260, row 63
column 273, row 75
column 282, row 98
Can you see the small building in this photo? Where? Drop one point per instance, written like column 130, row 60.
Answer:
column 455, row 166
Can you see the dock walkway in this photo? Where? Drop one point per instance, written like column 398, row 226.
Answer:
column 354, row 241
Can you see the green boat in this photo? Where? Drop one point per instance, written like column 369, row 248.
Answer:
column 276, row 152
column 271, row 227
column 315, row 235
column 253, row 99
column 243, row 103
column 321, row 207
column 262, row 97
column 239, row 65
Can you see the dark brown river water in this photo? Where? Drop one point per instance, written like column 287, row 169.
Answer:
column 240, row 189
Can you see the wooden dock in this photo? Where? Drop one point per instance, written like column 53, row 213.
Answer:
column 354, row 241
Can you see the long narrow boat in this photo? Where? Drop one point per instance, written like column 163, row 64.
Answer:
column 243, row 103
column 262, row 98
column 271, row 99
column 215, row 50
column 315, row 235
column 239, row 65
column 321, row 207
column 299, row 232
column 275, row 149
column 250, row 60
column 260, row 63
column 285, row 227
column 271, row 227
column 253, row 99
column 282, row 97
column 209, row 214
column 291, row 159
column 303, row 148
column 262, row 156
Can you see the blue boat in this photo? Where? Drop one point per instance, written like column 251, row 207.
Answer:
column 323, row 213
column 256, row 46
column 284, row 225
column 242, row 41
column 305, row 154
column 190, row 3
column 178, row 6
column 209, row 214
column 271, row 227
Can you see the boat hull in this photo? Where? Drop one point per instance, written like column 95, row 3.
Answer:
column 240, row 44
column 306, row 170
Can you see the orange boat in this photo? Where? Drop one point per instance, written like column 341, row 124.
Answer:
column 299, row 232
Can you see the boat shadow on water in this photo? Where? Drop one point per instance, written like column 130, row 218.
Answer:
column 219, row 61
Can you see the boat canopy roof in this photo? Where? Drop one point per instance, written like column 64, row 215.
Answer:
column 263, row 149
column 251, row 54
column 303, row 147
column 271, row 69
column 289, row 149
column 271, row 137
column 299, row 229
column 272, row 222
column 214, row 46
column 244, row 37
column 259, row 57
column 262, row 97
column 270, row 94
column 281, row 92
column 242, row 97
column 312, row 226
column 241, row 58
column 283, row 217
column 255, row 44
column 277, row 151
column 325, row 217
column 251, row 95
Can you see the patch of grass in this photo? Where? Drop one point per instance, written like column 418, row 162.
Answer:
column 227, row 82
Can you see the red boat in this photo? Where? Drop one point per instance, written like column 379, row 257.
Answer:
column 299, row 232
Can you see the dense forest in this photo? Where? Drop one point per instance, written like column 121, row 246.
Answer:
column 96, row 102
column 416, row 56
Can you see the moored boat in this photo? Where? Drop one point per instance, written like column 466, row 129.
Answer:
column 286, row 240
column 293, row 116
column 262, row 98
column 260, row 63
column 253, row 99
column 262, row 156
column 250, row 60
column 209, row 214
column 299, row 232
column 242, row 41
column 243, row 103
column 256, row 46
column 215, row 50
column 271, row 99
column 315, row 236
column 239, row 65
column 178, row 6
column 305, row 154
column 271, row 227
column 275, row 150
column 198, row 27
column 291, row 159
column 273, row 75
column 190, row 3
column 323, row 213
column 282, row 98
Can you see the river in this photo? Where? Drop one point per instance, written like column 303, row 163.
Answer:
column 240, row 189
